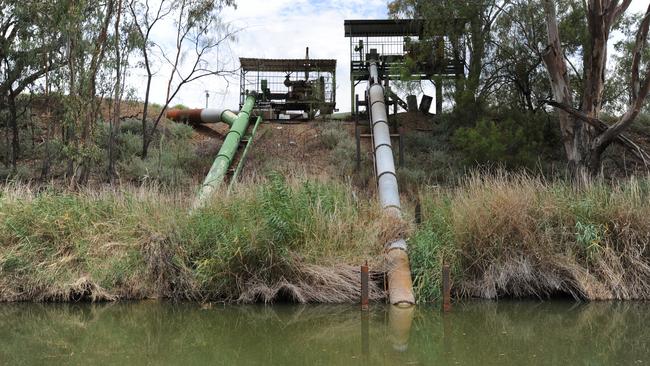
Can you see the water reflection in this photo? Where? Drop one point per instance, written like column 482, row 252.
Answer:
column 487, row 333
column 399, row 321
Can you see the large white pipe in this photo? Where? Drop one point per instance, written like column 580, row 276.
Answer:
column 214, row 115
column 399, row 277
column 198, row 116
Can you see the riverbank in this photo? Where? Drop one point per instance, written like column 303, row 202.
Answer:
column 303, row 240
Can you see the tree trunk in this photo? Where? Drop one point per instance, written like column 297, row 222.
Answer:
column 145, row 110
column 91, row 107
column 114, row 123
column 15, row 137
column 7, row 145
column 585, row 145
column 583, row 163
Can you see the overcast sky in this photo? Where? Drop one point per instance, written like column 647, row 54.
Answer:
column 274, row 29
column 280, row 29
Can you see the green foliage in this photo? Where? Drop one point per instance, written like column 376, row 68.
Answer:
column 641, row 124
column 263, row 235
column 484, row 143
column 134, row 126
column 431, row 245
column 133, row 243
column 335, row 137
column 589, row 237
column 513, row 235
column 53, row 239
column 175, row 164
column 180, row 131
column 513, row 142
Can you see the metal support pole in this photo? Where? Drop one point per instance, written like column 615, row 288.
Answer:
column 352, row 87
column 242, row 159
column 357, row 137
column 365, row 336
column 438, row 96
column 357, row 133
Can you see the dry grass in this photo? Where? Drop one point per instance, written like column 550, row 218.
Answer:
column 315, row 284
column 391, row 227
column 516, row 235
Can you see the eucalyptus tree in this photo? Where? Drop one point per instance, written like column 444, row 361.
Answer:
column 29, row 41
column 585, row 135
column 467, row 23
column 86, row 29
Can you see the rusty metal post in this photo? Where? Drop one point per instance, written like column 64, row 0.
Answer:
column 446, row 289
column 364, row 287
column 357, row 133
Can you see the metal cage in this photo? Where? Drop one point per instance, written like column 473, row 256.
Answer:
column 290, row 88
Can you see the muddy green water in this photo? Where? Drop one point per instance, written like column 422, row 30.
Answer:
column 475, row 333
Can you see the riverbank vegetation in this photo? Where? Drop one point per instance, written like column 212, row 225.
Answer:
column 531, row 181
column 302, row 240
column 521, row 236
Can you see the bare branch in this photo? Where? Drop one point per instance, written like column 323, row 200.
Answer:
column 602, row 127
column 619, row 10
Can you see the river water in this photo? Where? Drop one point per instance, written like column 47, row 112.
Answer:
column 474, row 333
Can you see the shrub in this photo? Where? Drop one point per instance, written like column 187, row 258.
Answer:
column 179, row 131
column 134, row 126
column 174, row 165
column 180, row 106
column 334, row 133
column 513, row 142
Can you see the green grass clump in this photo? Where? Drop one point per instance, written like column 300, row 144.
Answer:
column 303, row 237
column 265, row 234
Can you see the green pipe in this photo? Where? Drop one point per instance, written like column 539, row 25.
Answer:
column 240, row 165
column 226, row 153
column 228, row 117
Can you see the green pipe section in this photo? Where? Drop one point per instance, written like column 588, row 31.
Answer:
column 228, row 117
column 243, row 156
column 226, row 153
